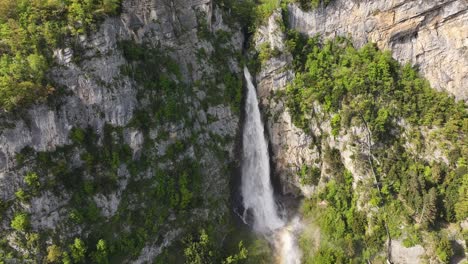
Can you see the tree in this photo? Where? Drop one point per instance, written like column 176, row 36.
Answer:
column 78, row 250
column 29, row 31
column 309, row 175
column 461, row 206
column 185, row 194
column 66, row 258
column 381, row 122
column 32, row 180
column 238, row 257
column 100, row 256
column 199, row 251
column 336, row 124
column 444, row 250
column 429, row 210
column 22, row 195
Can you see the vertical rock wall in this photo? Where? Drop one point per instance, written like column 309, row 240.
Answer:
column 96, row 94
column 432, row 35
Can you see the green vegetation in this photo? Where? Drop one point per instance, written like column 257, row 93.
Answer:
column 201, row 250
column 156, row 73
column 101, row 254
column 444, row 250
column 266, row 52
column 312, row 4
column 346, row 234
column 20, row 222
column 369, row 89
column 78, row 250
column 369, row 85
column 161, row 183
column 29, row 31
column 146, row 203
column 309, row 175
column 265, row 8
column 53, row 254
column 249, row 13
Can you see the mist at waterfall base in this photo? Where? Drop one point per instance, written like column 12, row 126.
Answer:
column 257, row 193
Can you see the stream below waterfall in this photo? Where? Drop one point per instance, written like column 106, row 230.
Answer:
column 260, row 209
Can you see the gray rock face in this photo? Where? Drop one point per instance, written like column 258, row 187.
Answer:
column 432, row 35
column 100, row 94
column 420, row 32
column 289, row 144
column 97, row 94
column 291, row 147
column 408, row 32
column 404, row 255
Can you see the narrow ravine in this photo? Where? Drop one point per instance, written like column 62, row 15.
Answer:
column 257, row 193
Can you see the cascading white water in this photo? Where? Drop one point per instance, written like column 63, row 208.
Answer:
column 257, row 192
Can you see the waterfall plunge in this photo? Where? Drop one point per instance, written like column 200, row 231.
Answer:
column 257, row 192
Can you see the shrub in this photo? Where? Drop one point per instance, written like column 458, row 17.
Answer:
column 335, row 125
column 461, row 206
column 32, row 180
column 78, row 250
column 20, row 222
column 309, row 175
column 53, row 253
column 77, row 135
column 22, row 195
column 199, row 251
column 312, row 4
column 444, row 250
column 100, row 256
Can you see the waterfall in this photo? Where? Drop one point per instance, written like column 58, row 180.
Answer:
column 257, row 192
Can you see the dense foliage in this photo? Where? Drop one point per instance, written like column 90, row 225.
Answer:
column 29, row 31
column 367, row 88
column 312, row 4
column 249, row 13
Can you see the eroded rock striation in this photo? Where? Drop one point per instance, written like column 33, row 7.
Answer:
column 419, row 33
column 431, row 35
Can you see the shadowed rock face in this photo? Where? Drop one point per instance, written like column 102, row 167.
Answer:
column 3, row 165
column 432, row 35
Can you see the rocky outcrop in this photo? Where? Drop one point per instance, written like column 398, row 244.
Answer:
column 291, row 147
column 95, row 94
column 406, row 255
column 431, row 35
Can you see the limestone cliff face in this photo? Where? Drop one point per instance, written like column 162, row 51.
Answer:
column 429, row 34
column 422, row 33
column 291, row 147
column 433, row 35
column 97, row 94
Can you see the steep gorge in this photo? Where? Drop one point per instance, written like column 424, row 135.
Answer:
column 138, row 146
